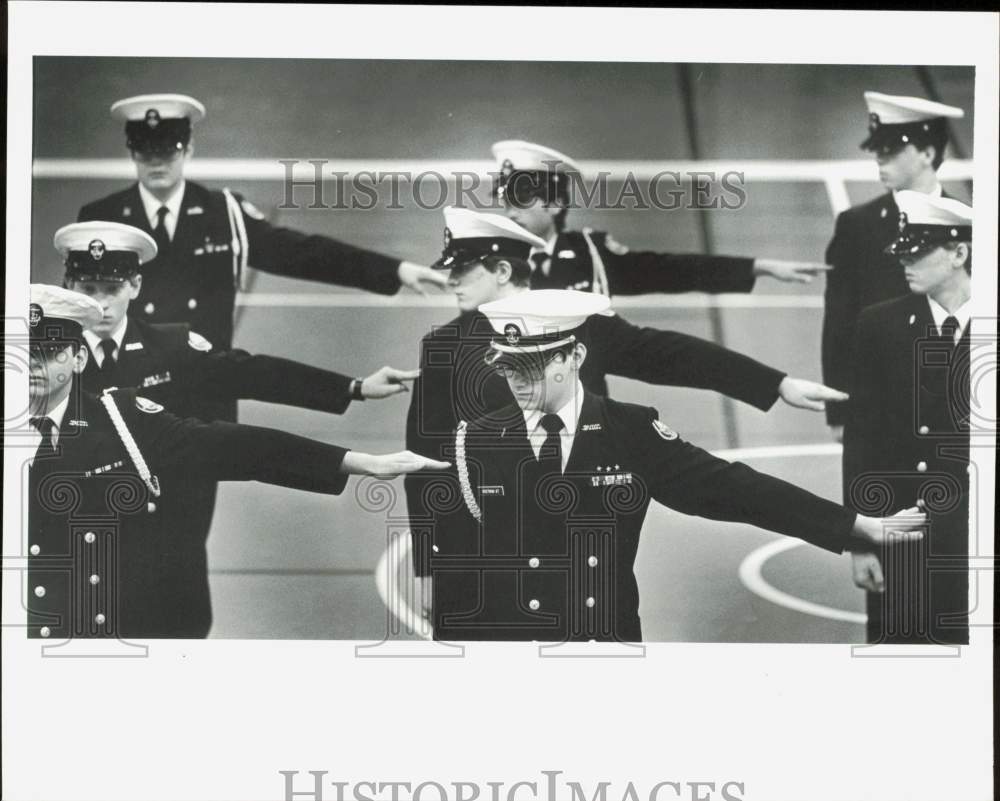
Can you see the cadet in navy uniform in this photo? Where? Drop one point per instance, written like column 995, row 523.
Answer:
column 207, row 237
column 100, row 463
column 907, row 436
column 176, row 367
column 486, row 256
column 533, row 183
column 908, row 136
column 174, row 364
column 538, row 539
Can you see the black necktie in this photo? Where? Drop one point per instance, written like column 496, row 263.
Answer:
column 551, row 453
column 948, row 329
column 109, row 346
column 540, row 260
column 160, row 232
column 46, row 428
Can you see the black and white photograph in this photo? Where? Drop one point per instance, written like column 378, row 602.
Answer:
column 402, row 400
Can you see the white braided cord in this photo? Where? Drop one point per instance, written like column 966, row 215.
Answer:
column 463, row 473
column 600, row 282
column 151, row 481
column 239, row 244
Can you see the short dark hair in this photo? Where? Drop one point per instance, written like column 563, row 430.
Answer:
column 520, row 270
column 937, row 138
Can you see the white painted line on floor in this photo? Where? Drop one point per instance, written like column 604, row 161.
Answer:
column 750, row 570
column 392, row 594
column 272, row 169
column 752, row 578
column 693, row 300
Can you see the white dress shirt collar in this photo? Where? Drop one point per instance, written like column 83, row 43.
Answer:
column 940, row 314
column 569, row 414
column 94, row 342
column 173, row 203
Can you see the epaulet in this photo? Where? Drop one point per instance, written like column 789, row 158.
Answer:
column 463, row 472
column 151, row 481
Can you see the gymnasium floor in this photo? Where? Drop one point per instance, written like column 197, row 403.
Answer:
column 299, row 566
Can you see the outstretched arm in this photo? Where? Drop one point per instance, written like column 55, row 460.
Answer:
column 234, row 452
column 693, row 481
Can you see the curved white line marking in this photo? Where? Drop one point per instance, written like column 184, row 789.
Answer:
column 753, row 580
column 387, row 585
column 750, row 570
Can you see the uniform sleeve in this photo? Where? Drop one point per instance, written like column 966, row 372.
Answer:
column 238, row 375
column 230, row 451
column 692, row 481
column 313, row 257
column 840, row 310
column 430, row 422
column 674, row 359
column 864, row 426
column 637, row 272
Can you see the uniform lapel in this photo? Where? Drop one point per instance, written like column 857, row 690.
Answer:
column 923, row 320
column 136, row 216
column 133, row 358
column 182, row 217
column 589, row 439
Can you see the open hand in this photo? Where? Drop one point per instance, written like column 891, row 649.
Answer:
column 388, row 465
column 904, row 526
column 804, row 394
column 797, row 272
column 387, row 381
column 415, row 276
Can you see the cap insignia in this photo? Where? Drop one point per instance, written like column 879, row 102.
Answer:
column 35, row 314
column 152, row 118
column 447, row 237
column 96, row 248
column 902, row 221
column 512, row 332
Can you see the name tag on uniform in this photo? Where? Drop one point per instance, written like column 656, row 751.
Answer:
column 196, row 210
column 78, row 423
column 566, row 254
column 591, row 427
column 133, row 346
column 153, row 380
column 491, row 490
